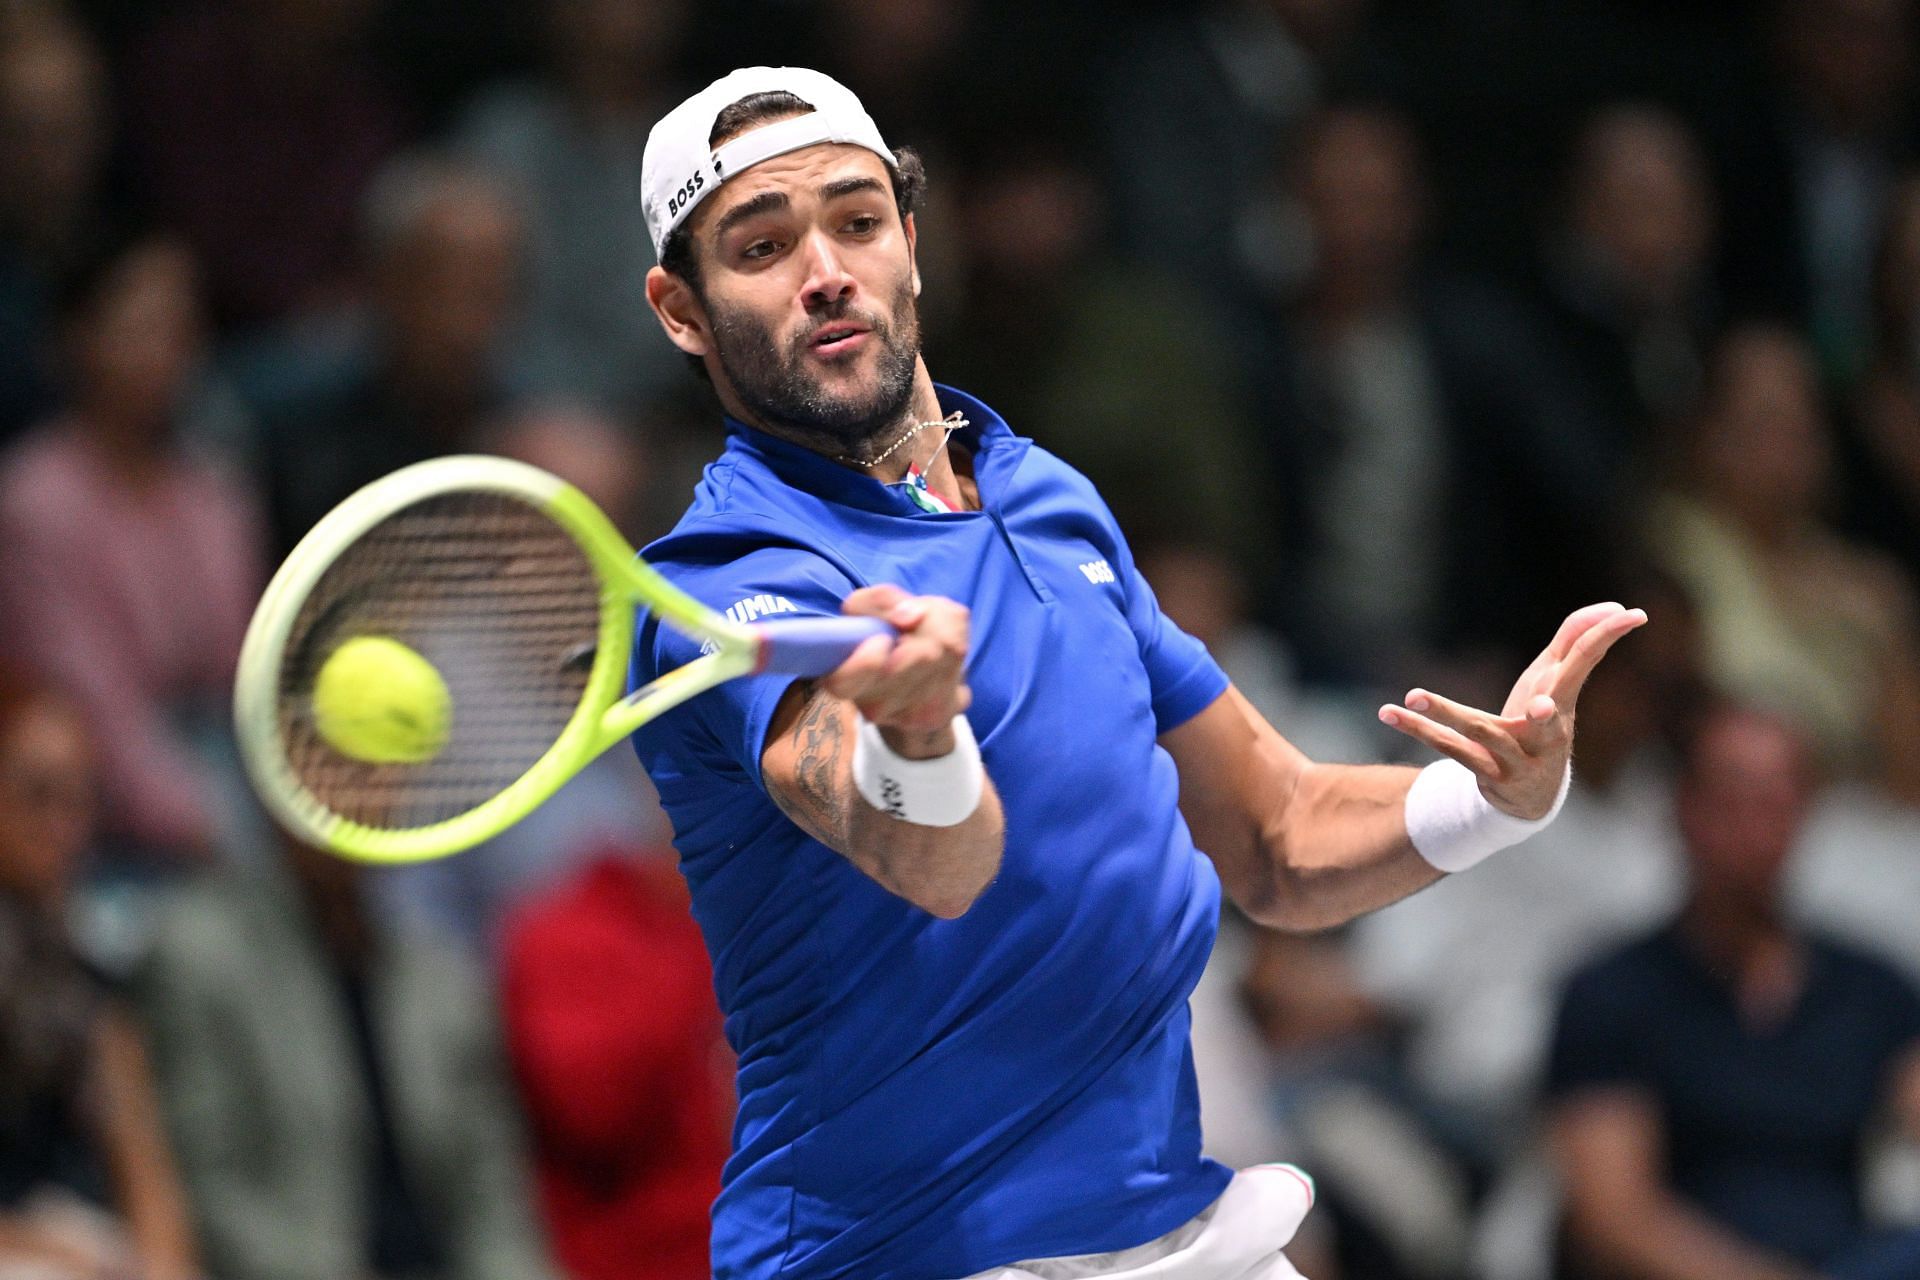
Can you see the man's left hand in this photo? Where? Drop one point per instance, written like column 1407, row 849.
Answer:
column 1521, row 754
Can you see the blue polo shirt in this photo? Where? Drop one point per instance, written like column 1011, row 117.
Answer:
column 922, row 1098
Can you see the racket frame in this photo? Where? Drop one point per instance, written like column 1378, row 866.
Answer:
column 602, row 717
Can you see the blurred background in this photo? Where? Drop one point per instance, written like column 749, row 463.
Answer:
column 1391, row 330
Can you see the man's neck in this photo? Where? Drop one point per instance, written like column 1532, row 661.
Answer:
column 1750, row 947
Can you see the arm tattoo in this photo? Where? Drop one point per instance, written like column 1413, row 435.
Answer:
column 817, row 801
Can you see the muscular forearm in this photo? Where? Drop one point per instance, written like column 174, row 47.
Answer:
column 808, row 768
column 942, row 869
column 1298, row 845
column 1338, row 848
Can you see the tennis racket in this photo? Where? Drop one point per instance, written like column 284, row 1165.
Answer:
column 523, row 596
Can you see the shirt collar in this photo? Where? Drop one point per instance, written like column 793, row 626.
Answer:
column 996, row 452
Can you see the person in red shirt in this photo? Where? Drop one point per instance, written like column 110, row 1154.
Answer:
column 615, row 1037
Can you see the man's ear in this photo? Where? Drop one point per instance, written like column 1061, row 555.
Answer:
column 913, row 255
column 679, row 312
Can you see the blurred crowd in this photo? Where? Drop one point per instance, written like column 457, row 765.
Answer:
column 1390, row 329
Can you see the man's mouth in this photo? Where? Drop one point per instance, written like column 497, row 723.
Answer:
column 834, row 339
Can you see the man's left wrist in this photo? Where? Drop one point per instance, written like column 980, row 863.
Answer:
column 1547, row 811
column 1453, row 825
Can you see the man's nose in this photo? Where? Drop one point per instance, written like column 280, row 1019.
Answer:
column 828, row 281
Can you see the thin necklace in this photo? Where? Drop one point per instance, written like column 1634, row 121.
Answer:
column 952, row 422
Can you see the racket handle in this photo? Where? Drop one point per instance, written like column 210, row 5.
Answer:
column 814, row 646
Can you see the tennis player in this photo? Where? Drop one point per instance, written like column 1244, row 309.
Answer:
column 957, row 892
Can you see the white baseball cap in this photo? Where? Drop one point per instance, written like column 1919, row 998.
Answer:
column 680, row 170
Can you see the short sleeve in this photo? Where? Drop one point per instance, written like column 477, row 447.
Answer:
column 1182, row 676
column 768, row 583
column 1597, row 1035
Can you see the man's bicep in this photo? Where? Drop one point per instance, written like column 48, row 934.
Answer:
column 1236, row 772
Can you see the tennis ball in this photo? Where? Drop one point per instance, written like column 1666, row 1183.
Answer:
column 378, row 701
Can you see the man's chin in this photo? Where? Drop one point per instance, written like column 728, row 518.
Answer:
column 853, row 396
column 855, row 421
column 834, row 401
column 850, row 372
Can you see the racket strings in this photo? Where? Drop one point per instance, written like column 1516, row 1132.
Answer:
column 500, row 600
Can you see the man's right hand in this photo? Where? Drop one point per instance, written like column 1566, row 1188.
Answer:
column 910, row 687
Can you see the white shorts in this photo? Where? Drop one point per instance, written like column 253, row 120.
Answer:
column 1237, row 1237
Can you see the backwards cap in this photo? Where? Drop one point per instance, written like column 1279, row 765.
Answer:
column 680, row 170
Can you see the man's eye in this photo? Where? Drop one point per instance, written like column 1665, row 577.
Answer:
column 759, row 249
column 864, row 224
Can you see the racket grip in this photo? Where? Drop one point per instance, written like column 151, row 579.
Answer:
column 814, row 646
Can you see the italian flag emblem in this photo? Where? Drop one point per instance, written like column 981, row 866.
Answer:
column 923, row 497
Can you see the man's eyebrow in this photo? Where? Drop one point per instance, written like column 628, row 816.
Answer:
column 849, row 186
column 765, row 202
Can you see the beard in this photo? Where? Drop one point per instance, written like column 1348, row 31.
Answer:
column 775, row 384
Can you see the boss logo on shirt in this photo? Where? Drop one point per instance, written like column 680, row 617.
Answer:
column 1097, row 572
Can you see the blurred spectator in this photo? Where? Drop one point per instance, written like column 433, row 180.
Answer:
column 254, row 126
column 336, row 1090
column 1122, row 371
column 1809, row 173
column 1198, row 105
column 87, row 1186
column 615, row 1034
column 1793, row 617
column 1628, row 273
column 611, row 802
column 417, row 371
column 1396, row 1192
column 53, row 140
column 1880, row 441
column 1438, row 481
column 569, row 143
column 130, row 563
column 1232, row 1068
column 599, row 455
column 1713, row 1085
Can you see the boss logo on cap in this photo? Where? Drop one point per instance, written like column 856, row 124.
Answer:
column 684, row 196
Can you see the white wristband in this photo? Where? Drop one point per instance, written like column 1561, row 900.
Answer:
column 941, row 792
column 1454, row 827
